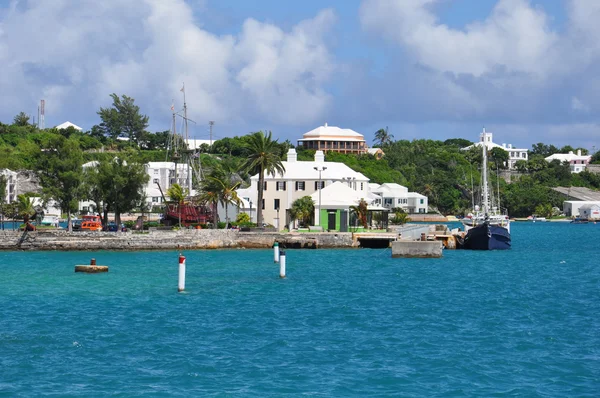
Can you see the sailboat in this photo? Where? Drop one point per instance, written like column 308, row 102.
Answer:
column 487, row 228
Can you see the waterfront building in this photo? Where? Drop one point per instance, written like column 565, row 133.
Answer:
column 377, row 152
column 573, row 207
column 514, row 154
column 590, row 211
column 397, row 196
column 301, row 178
column 577, row 162
column 330, row 138
column 12, row 185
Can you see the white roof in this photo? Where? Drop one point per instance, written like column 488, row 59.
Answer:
column 67, row 125
column 568, row 157
column 194, row 143
column 339, row 195
column 374, row 151
column 304, row 170
column 165, row 165
column 334, row 133
column 392, row 189
column 491, row 145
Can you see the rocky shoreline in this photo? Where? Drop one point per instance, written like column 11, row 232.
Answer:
column 170, row 240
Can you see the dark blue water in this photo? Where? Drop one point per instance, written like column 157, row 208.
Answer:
column 523, row 322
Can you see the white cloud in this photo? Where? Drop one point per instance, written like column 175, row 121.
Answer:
column 515, row 36
column 80, row 51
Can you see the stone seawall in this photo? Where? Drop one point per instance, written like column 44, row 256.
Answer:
column 169, row 240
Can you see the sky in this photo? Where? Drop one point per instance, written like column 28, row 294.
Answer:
column 526, row 70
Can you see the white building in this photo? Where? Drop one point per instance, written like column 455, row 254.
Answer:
column 301, row 178
column 572, row 207
column 12, row 184
column 577, row 162
column 514, row 154
column 590, row 211
column 163, row 173
column 395, row 195
column 194, row 143
column 330, row 138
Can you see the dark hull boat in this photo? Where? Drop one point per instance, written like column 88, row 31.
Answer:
column 486, row 236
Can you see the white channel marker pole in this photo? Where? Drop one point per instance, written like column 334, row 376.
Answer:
column 282, row 264
column 181, row 285
column 276, row 252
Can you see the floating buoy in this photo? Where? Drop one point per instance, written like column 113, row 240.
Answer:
column 92, row 268
column 181, row 285
column 282, row 264
column 276, row 252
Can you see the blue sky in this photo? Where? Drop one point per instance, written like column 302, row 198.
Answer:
column 436, row 69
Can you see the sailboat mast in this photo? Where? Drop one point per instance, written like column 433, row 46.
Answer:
column 486, row 198
column 175, row 154
column 185, row 121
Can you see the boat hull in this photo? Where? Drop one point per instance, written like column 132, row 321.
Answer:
column 486, row 237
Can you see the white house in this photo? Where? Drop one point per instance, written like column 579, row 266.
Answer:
column 395, row 195
column 514, row 154
column 577, row 162
column 301, row 178
column 12, row 184
column 331, row 138
column 194, row 143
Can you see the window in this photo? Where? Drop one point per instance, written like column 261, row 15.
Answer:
column 421, row 201
column 280, row 186
column 322, row 183
column 265, row 187
column 155, row 171
column 155, row 199
column 523, row 155
column 388, row 201
column 399, row 201
column 263, row 204
column 362, row 186
column 300, row 185
column 276, row 204
column 155, row 181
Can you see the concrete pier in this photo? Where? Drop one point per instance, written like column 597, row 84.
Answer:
column 419, row 249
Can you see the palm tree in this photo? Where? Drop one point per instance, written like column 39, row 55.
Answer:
column 361, row 212
column 177, row 193
column 210, row 195
column 26, row 208
column 383, row 137
column 303, row 209
column 226, row 190
column 262, row 157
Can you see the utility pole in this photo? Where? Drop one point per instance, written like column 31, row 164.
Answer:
column 211, row 124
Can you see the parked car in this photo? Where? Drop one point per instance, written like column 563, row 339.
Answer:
column 112, row 227
column 76, row 225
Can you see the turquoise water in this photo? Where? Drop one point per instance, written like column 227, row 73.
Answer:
column 523, row 322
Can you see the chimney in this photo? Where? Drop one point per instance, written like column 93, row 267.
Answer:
column 579, row 152
column 319, row 156
column 292, row 156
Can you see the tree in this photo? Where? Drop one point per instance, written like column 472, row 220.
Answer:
column 383, row 137
column 22, row 119
column 59, row 170
column 303, row 209
column 123, row 119
column 263, row 158
column 26, row 208
column 209, row 195
column 500, row 157
column 177, row 193
column 361, row 212
column 3, row 183
column 400, row 217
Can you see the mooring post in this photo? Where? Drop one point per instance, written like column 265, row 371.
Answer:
column 282, row 264
column 276, row 252
column 181, row 285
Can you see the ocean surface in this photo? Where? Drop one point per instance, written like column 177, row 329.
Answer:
column 524, row 322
